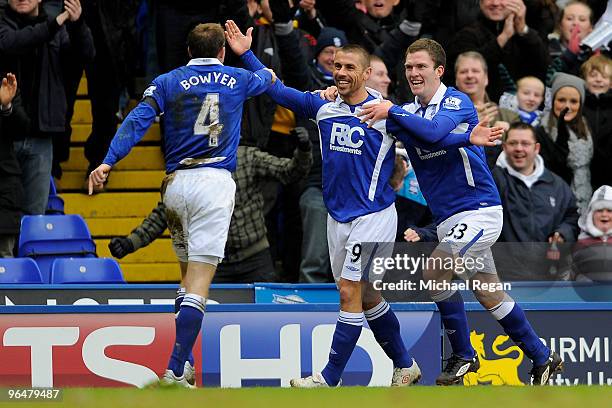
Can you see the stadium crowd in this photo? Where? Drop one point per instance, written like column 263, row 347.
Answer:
column 519, row 61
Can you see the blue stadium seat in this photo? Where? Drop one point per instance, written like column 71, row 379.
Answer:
column 19, row 270
column 86, row 270
column 46, row 237
column 55, row 205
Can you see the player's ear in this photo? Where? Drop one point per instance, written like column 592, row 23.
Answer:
column 221, row 55
column 366, row 73
column 440, row 71
column 189, row 52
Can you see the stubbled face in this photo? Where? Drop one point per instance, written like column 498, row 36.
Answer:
column 326, row 58
column 521, row 150
column 25, row 7
column 349, row 73
column 597, row 82
column 602, row 219
column 494, row 10
column 575, row 16
column 567, row 97
column 530, row 95
column 379, row 78
column 380, row 8
column 422, row 74
column 471, row 77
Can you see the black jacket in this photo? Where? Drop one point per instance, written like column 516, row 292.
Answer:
column 117, row 20
column 11, row 190
column 598, row 112
column 258, row 113
column 533, row 214
column 42, row 40
column 522, row 55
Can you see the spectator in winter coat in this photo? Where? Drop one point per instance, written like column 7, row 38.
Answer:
column 592, row 256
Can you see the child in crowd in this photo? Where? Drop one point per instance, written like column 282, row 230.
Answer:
column 597, row 72
column 523, row 106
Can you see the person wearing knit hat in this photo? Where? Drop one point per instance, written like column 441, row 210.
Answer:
column 328, row 41
column 592, row 256
column 567, row 146
column 561, row 80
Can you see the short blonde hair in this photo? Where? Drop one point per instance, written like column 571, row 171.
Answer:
column 522, row 81
column 475, row 55
column 599, row 63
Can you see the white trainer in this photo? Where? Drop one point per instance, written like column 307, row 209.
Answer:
column 315, row 380
column 403, row 377
column 171, row 380
column 189, row 373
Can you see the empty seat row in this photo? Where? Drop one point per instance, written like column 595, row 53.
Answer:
column 63, row 270
column 45, row 238
column 58, row 249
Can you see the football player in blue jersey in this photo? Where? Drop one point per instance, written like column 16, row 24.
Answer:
column 357, row 162
column 202, row 107
column 464, row 200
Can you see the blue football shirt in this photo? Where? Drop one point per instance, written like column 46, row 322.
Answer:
column 357, row 161
column 454, row 178
column 202, row 108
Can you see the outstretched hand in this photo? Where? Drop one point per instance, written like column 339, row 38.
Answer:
column 98, row 177
column 372, row 113
column 485, row 136
column 8, row 89
column 238, row 42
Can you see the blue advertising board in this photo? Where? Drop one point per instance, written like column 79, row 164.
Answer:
column 269, row 347
column 582, row 338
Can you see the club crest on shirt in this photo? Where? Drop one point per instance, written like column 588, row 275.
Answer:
column 452, row 103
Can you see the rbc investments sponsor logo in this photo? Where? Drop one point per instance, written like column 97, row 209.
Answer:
column 347, row 139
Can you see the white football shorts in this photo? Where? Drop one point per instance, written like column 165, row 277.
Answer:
column 470, row 235
column 199, row 206
column 347, row 252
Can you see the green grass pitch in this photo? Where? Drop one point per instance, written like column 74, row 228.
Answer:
column 352, row 397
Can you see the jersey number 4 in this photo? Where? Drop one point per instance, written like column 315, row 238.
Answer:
column 207, row 123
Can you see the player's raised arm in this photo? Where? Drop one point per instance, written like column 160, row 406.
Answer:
column 303, row 103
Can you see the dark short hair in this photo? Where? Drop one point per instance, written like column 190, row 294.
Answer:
column 357, row 49
column 521, row 126
column 433, row 48
column 206, row 40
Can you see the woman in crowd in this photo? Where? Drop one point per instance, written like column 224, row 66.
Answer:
column 565, row 138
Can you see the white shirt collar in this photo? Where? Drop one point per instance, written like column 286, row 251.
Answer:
column 204, row 61
column 373, row 92
column 435, row 100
